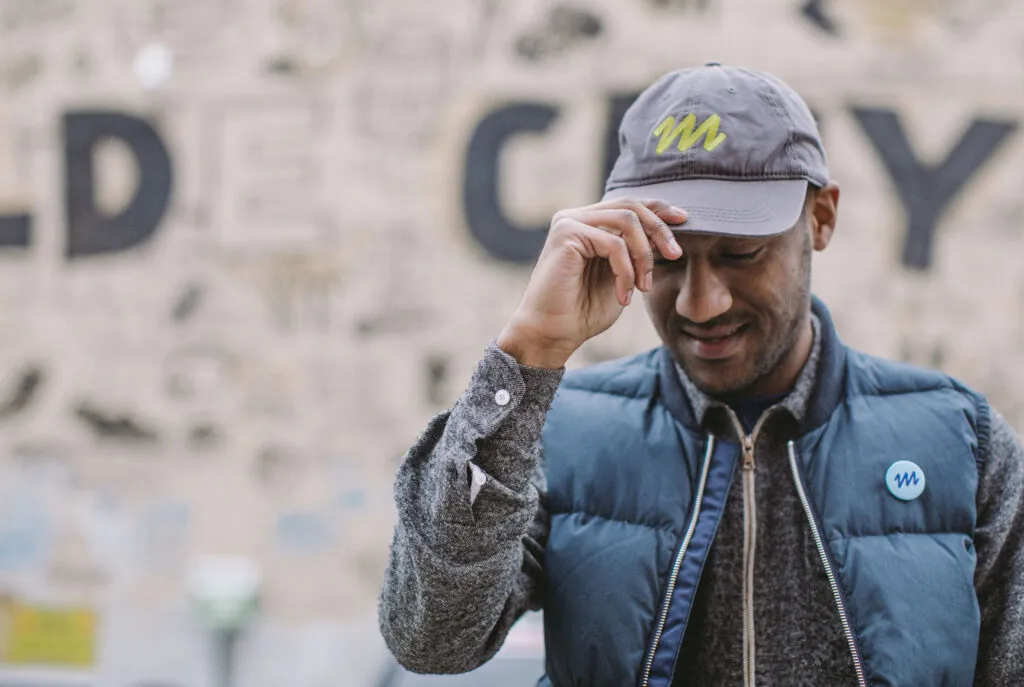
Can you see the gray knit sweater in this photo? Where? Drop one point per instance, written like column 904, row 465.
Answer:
column 467, row 555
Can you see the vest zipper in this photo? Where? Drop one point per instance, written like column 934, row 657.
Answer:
column 858, row 663
column 663, row 616
column 749, row 541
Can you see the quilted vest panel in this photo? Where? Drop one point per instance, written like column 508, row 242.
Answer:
column 906, row 568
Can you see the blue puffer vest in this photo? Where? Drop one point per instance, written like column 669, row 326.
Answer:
column 636, row 491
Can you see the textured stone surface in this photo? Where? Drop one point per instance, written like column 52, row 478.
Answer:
column 245, row 381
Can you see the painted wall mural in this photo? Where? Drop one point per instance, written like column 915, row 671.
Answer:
column 248, row 250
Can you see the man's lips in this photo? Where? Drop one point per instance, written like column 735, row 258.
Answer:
column 715, row 334
column 715, row 344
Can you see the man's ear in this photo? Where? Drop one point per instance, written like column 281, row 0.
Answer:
column 823, row 211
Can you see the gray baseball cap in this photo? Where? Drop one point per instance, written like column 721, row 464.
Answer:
column 735, row 148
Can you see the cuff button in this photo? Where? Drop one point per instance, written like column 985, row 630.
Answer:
column 503, row 397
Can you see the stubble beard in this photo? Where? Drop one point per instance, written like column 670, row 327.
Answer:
column 771, row 355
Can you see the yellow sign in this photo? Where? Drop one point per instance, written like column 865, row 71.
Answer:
column 669, row 131
column 39, row 635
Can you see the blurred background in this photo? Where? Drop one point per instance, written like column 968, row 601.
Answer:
column 248, row 249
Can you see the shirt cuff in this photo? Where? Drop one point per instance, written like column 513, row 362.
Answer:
column 503, row 411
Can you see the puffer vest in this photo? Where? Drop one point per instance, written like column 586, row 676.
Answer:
column 636, row 491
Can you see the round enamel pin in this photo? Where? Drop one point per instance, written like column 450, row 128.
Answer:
column 905, row 480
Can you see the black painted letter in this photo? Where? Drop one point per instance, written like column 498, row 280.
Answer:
column 15, row 230
column 481, row 198
column 90, row 232
column 617, row 106
column 925, row 191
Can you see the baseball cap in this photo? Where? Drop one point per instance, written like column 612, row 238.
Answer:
column 735, row 148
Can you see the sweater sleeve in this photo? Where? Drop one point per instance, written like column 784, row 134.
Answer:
column 999, row 576
column 466, row 560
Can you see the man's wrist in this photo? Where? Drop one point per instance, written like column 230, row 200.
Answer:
column 532, row 353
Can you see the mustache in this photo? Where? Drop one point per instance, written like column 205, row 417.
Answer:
column 720, row 322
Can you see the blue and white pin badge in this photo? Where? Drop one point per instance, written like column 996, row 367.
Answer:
column 905, row 480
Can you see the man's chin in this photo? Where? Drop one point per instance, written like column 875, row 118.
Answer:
column 717, row 378
column 720, row 389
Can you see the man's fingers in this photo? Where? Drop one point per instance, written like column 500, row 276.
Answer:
column 668, row 212
column 640, row 225
column 625, row 223
column 598, row 243
column 657, row 217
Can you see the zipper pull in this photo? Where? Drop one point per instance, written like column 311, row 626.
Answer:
column 748, row 452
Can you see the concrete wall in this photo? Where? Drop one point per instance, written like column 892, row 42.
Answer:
column 239, row 270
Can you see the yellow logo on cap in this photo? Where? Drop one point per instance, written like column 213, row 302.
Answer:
column 669, row 131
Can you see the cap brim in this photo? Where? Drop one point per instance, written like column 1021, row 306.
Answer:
column 731, row 208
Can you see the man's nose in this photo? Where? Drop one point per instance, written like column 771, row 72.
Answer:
column 703, row 295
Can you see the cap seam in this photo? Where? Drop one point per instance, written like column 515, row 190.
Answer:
column 689, row 158
column 783, row 116
column 779, row 176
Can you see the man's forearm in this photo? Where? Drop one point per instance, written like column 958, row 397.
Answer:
column 463, row 569
column 999, row 578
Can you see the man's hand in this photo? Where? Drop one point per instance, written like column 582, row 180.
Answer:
column 593, row 258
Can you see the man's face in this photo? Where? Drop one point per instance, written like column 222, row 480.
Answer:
column 731, row 309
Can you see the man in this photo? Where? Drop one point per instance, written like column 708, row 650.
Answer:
column 750, row 503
